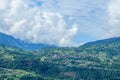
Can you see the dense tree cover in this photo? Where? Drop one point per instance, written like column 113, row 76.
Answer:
column 92, row 61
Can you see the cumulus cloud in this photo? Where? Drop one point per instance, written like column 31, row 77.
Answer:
column 4, row 4
column 58, row 22
column 30, row 22
column 66, row 39
column 114, row 18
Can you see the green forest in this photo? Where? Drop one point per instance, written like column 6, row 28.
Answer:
column 91, row 61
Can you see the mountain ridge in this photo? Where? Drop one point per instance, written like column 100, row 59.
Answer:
column 11, row 41
column 103, row 41
column 97, row 61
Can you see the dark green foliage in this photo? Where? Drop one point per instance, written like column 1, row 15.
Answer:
column 92, row 61
column 10, row 79
column 29, row 77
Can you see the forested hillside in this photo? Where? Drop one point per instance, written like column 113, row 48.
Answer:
column 93, row 61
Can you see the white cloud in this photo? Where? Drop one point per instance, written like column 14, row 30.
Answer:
column 66, row 38
column 35, row 24
column 4, row 4
column 113, row 28
column 58, row 22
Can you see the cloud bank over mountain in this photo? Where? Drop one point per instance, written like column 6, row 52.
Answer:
column 58, row 22
column 27, row 21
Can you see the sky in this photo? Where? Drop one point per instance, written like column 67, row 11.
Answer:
column 60, row 22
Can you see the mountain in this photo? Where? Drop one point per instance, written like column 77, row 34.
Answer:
column 11, row 41
column 99, row 60
column 114, row 40
column 109, row 46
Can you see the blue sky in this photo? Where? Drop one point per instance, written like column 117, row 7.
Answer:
column 60, row 22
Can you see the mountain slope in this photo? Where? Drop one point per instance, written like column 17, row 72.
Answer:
column 114, row 40
column 97, row 61
column 110, row 46
column 9, row 40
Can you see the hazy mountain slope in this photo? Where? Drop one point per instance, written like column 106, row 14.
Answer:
column 114, row 40
column 9, row 40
